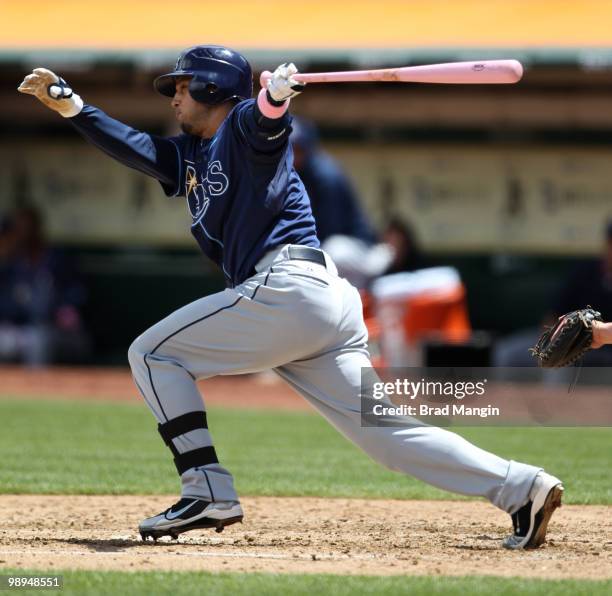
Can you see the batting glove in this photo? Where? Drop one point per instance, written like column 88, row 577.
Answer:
column 53, row 91
column 282, row 85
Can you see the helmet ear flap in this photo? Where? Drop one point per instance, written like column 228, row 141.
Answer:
column 211, row 88
column 204, row 91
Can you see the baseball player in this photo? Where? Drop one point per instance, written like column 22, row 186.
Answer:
column 284, row 307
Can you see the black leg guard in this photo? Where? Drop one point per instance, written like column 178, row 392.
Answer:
column 179, row 426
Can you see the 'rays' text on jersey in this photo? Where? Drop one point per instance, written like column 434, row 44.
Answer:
column 199, row 193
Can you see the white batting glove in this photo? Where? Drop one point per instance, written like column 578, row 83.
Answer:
column 53, row 91
column 282, row 85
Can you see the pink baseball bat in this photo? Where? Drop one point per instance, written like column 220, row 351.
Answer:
column 470, row 73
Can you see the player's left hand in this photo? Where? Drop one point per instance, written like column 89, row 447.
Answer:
column 52, row 91
column 282, row 85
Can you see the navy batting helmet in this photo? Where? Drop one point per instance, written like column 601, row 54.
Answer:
column 217, row 74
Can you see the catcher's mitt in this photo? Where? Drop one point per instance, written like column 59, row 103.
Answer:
column 567, row 340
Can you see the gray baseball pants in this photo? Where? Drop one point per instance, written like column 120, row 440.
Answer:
column 300, row 319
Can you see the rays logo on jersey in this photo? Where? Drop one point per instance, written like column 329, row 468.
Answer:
column 198, row 194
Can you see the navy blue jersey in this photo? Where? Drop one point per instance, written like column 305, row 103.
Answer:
column 243, row 193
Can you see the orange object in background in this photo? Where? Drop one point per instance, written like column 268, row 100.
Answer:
column 406, row 309
column 369, row 312
column 373, row 326
column 443, row 314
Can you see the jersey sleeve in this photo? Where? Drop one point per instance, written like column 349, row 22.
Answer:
column 155, row 156
column 265, row 138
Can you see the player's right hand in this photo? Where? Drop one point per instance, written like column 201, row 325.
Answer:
column 282, row 85
column 53, row 91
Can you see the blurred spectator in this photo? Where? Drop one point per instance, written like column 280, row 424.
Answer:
column 335, row 206
column 589, row 283
column 5, row 241
column 407, row 255
column 40, row 298
column 362, row 263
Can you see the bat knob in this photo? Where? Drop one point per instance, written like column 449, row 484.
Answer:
column 265, row 76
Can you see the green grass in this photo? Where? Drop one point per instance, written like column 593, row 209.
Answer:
column 112, row 448
column 248, row 584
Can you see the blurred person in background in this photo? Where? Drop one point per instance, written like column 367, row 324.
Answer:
column 342, row 227
column 589, row 283
column 335, row 206
column 399, row 235
column 6, row 249
column 40, row 297
column 397, row 252
column 5, row 241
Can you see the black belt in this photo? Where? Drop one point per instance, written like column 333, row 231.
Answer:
column 306, row 253
column 298, row 253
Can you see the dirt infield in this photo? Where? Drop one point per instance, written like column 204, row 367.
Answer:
column 265, row 390
column 302, row 535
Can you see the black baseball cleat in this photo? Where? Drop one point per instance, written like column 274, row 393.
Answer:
column 191, row 514
column 531, row 521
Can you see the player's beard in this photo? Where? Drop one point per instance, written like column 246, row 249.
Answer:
column 186, row 128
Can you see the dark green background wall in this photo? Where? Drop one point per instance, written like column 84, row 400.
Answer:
column 130, row 291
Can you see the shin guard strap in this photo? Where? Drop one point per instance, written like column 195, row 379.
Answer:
column 195, row 458
column 181, row 425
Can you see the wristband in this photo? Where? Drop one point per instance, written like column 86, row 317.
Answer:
column 268, row 108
